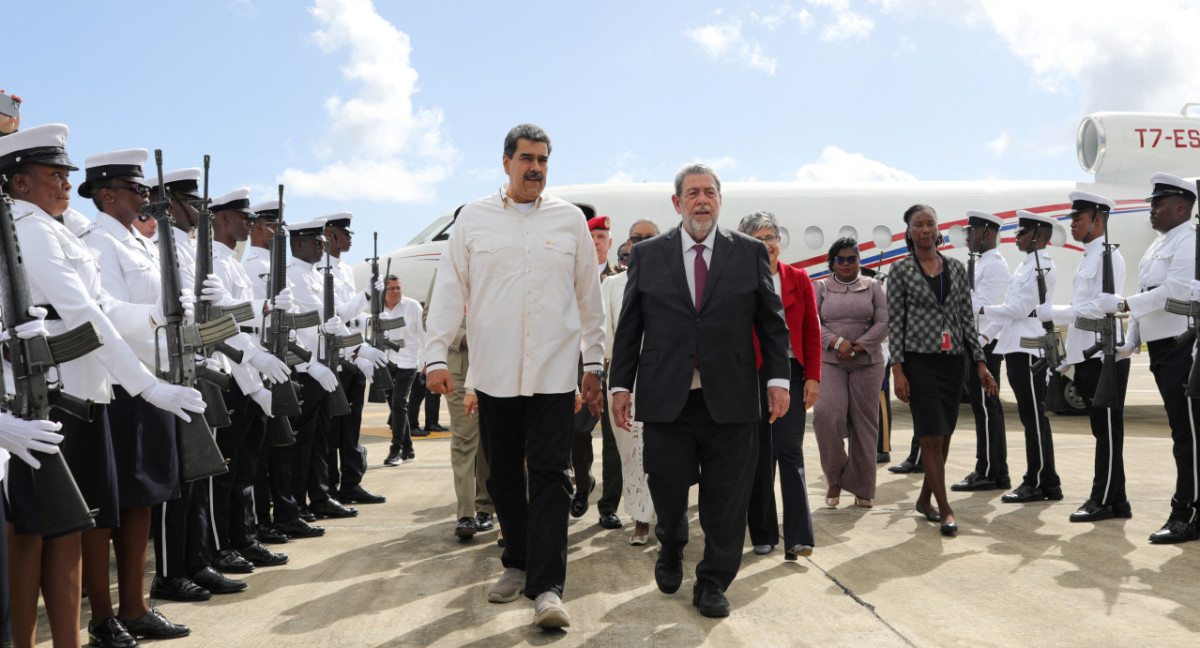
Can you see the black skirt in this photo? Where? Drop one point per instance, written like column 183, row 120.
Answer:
column 935, row 382
column 146, row 451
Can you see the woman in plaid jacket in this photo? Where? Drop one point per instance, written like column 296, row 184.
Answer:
column 933, row 341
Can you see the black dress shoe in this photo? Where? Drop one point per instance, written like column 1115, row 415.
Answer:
column 483, row 521
column 905, row 467
column 110, row 634
column 153, row 625
column 178, row 588
column 949, row 528
column 1026, row 493
column 1175, row 531
column 393, row 458
column 710, row 601
column 409, row 456
column 928, row 514
column 610, row 521
column 212, row 580
column 270, row 534
column 260, row 556
column 1093, row 511
column 436, row 427
column 331, row 508
column 883, row 457
column 976, row 482
column 360, row 495
column 307, row 515
column 668, row 569
column 465, row 528
column 230, row 562
column 418, row 432
column 300, row 529
column 579, row 503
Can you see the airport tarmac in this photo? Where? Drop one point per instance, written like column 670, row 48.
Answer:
column 1016, row 575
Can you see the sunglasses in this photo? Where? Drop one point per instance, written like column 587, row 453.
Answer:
column 141, row 190
column 846, row 260
column 638, row 238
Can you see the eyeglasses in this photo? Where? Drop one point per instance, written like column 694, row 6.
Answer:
column 846, row 260
column 141, row 190
column 638, row 238
column 769, row 239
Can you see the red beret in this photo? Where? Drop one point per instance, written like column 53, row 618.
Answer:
column 600, row 223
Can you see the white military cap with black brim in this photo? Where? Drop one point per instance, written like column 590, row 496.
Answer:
column 1029, row 219
column 984, row 219
column 267, row 210
column 183, row 181
column 314, row 228
column 45, row 144
column 1166, row 184
column 237, row 200
column 1082, row 201
column 340, row 219
column 124, row 165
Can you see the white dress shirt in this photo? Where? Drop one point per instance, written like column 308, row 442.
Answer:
column 991, row 284
column 612, row 292
column 413, row 332
column 308, row 294
column 257, row 262
column 1010, row 319
column 529, row 285
column 1088, row 284
column 1166, row 270
column 238, row 283
column 185, row 255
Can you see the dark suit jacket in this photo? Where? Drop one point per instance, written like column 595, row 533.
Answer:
column 660, row 332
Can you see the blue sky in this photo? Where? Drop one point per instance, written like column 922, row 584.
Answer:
column 396, row 111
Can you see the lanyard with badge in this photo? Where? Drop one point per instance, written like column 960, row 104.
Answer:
column 946, row 338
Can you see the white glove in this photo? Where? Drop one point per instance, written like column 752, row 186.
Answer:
column 1195, row 292
column 1045, row 312
column 263, row 398
column 376, row 357
column 22, row 438
column 1130, row 347
column 283, row 301
column 1108, row 302
column 175, row 399
column 365, row 366
column 334, row 326
column 187, row 299
column 323, row 375
column 215, row 291
column 35, row 327
column 273, row 368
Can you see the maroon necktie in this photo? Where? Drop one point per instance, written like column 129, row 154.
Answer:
column 701, row 272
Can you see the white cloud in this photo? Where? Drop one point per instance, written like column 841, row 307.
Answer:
column 904, row 45
column 1001, row 144
column 721, row 164
column 836, row 165
column 726, row 41
column 378, row 146
column 783, row 14
column 619, row 177
column 847, row 25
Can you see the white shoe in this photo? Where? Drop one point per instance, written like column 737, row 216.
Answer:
column 509, row 587
column 548, row 611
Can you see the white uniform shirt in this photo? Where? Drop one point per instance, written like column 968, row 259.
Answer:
column 308, row 289
column 991, row 285
column 67, row 277
column 1087, row 284
column 1166, row 270
column 240, row 288
column 185, row 256
column 529, row 285
column 1011, row 318
column 257, row 262
column 351, row 303
column 413, row 332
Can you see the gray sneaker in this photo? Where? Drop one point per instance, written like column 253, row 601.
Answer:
column 509, row 587
column 548, row 611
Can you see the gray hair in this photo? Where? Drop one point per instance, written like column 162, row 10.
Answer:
column 695, row 169
column 524, row 131
column 759, row 220
column 644, row 221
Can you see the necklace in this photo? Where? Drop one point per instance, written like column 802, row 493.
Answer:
column 845, row 283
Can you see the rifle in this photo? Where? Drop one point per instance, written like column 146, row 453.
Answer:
column 1106, row 330
column 199, row 456
column 381, row 380
column 971, row 256
column 1050, row 344
column 337, row 403
column 1192, row 310
column 61, row 508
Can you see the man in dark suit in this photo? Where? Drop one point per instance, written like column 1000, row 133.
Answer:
column 696, row 298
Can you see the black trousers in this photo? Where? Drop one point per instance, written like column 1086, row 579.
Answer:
column 419, row 397
column 183, row 531
column 582, row 456
column 229, row 498
column 400, row 421
column 527, row 442
column 991, row 446
column 294, row 465
column 344, row 448
column 1171, row 366
column 885, row 413
column 782, row 443
column 247, row 473
column 1108, row 426
column 5, row 616
column 1030, row 390
column 721, row 458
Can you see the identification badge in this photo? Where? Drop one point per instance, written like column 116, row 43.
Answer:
column 945, row 339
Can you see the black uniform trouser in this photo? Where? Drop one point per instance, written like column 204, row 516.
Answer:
column 1171, row 366
column 527, row 442
column 344, row 447
column 5, row 616
column 721, row 458
column 419, row 397
column 1108, row 426
column 294, row 465
column 991, row 446
column 247, row 475
column 229, row 498
column 183, row 531
column 1029, row 387
column 582, row 456
column 400, row 421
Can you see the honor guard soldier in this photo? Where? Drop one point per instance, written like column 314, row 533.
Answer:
column 1089, row 225
column 1167, row 270
column 256, row 257
column 1010, row 321
column 990, row 285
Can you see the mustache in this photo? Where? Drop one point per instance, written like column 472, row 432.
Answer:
column 534, row 175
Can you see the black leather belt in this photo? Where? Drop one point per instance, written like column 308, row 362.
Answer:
column 249, row 329
column 51, row 313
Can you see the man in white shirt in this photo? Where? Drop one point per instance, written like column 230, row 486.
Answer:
column 404, row 365
column 522, row 267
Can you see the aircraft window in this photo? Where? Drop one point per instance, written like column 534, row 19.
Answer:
column 784, row 238
column 1058, row 237
column 434, row 230
column 814, row 238
column 444, row 235
column 882, row 237
column 848, row 232
column 956, row 235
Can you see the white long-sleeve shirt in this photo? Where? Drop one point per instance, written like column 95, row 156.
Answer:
column 1166, row 270
column 1087, row 285
column 991, row 285
column 308, row 291
column 241, row 289
column 1010, row 319
column 413, row 333
column 529, row 285
column 612, row 292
